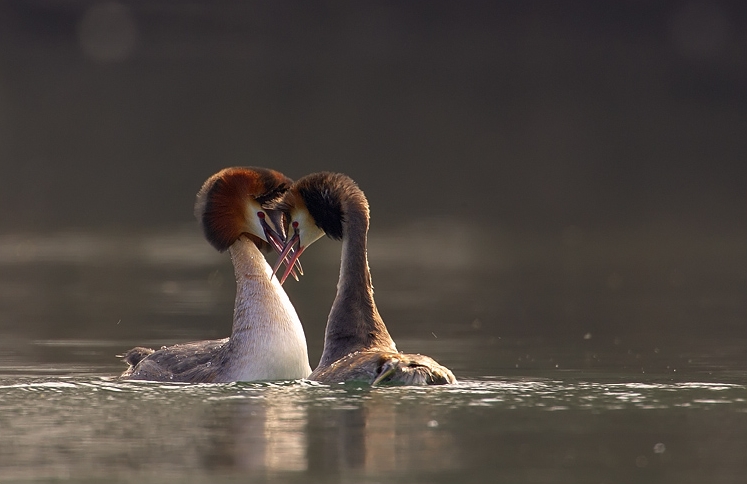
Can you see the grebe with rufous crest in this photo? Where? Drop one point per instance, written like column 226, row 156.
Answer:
column 267, row 341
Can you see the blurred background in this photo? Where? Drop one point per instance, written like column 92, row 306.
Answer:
column 537, row 170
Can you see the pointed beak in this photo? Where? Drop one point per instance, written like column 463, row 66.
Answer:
column 276, row 221
column 277, row 241
column 271, row 235
column 387, row 370
column 290, row 255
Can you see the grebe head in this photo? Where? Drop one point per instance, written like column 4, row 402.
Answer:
column 236, row 201
column 315, row 206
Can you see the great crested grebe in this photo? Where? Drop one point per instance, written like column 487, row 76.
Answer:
column 357, row 345
column 267, row 341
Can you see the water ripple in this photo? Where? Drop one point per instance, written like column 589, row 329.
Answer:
column 541, row 394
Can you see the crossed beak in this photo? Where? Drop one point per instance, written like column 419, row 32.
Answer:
column 290, row 255
column 277, row 241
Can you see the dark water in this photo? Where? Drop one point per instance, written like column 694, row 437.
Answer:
column 581, row 358
column 569, row 428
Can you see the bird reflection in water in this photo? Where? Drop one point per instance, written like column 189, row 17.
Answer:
column 279, row 433
column 262, row 436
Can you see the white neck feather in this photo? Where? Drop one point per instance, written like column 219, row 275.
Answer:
column 267, row 342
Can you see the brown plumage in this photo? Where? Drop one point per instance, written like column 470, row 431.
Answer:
column 198, row 362
column 221, row 204
column 377, row 367
column 357, row 344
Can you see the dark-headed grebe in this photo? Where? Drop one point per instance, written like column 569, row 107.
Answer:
column 357, row 345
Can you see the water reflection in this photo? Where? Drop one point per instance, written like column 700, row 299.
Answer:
column 329, row 431
column 262, row 432
column 98, row 427
column 118, row 426
column 378, row 435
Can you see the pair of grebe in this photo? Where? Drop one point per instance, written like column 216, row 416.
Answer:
column 245, row 211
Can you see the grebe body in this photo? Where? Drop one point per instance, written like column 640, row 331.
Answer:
column 267, row 340
column 357, row 344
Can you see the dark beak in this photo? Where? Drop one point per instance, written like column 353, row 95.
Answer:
column 276, row 221
column 290, row 255
column 277, row 241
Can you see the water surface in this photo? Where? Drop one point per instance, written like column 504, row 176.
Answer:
column 580, row 359
column 569, row 429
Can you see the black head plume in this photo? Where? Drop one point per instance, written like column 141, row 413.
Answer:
column 325, row 195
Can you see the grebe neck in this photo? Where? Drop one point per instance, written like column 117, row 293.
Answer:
column 354, row 322
column 267, row 338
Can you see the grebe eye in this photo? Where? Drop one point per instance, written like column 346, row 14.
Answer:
column 295, row 225
column 261, row 215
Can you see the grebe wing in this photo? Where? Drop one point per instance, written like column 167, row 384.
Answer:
column 377, row 367
column 135, row 355
column 197, row 362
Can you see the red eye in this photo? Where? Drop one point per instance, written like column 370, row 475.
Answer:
column 295, row 225
column 261, row 214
